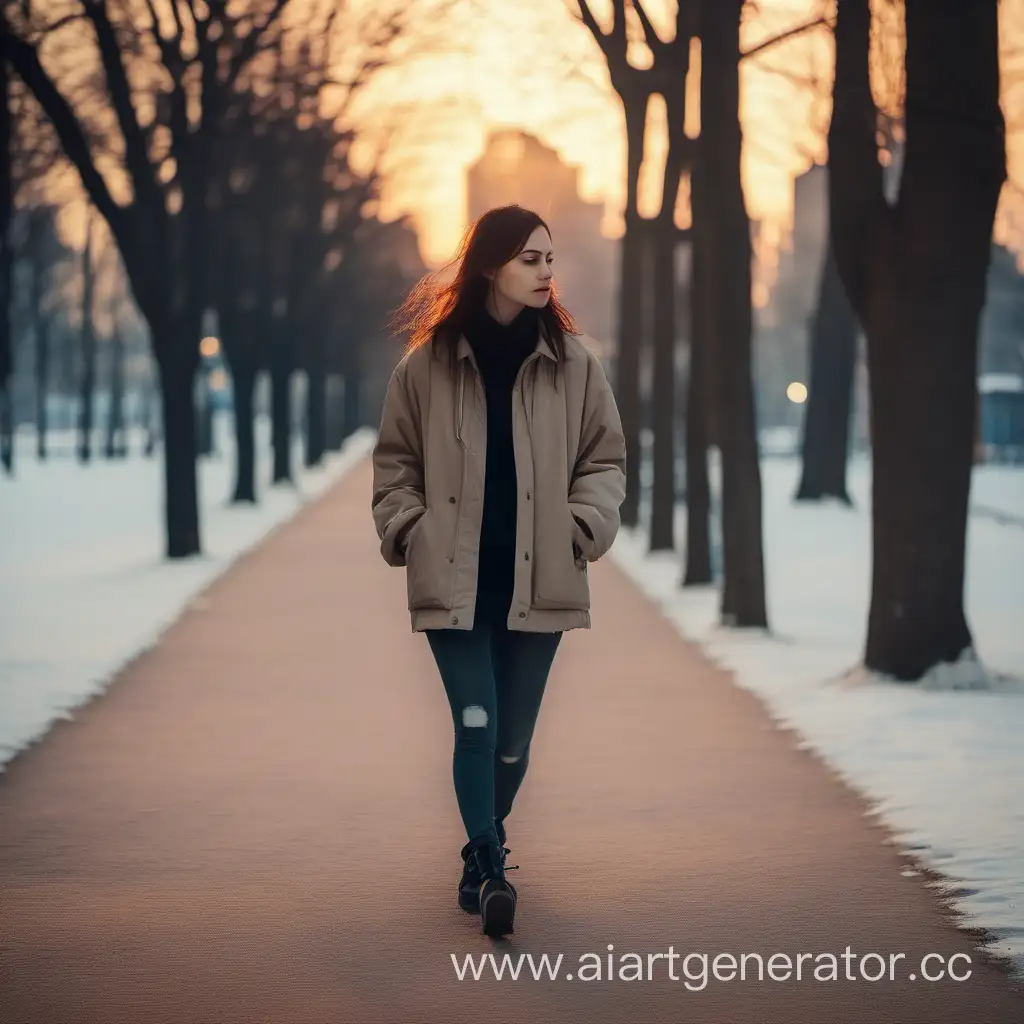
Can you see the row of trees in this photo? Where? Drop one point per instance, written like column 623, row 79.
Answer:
column 211, row 139
column 71, row 326
column 909, row 272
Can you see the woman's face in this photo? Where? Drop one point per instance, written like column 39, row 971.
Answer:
column 526, row 279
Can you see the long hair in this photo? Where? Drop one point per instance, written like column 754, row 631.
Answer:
column 440, row 312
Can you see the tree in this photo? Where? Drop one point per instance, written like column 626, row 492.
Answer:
column 915, row 274
column 87, row 381
column 634, row 88
column 833, row 356
column 668, row 78
column 726, row 252
column 116, row 445
column 166, row 78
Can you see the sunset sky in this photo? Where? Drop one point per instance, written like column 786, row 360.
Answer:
column 532, row 65
column 469, row 67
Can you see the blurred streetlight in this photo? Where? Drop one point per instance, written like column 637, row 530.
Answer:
column 797, row 392
column 209, row 346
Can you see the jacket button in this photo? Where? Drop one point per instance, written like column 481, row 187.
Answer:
column 527, row 495
column 455, row 620
column 451, row 500
column 526, row 555
column 522, row 615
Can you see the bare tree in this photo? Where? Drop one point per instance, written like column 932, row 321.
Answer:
column 116, row 444
column 87, row 381
column 915, row 273
column 727, row 251
column 833, row 356
column 167, row 73
column 634, row 88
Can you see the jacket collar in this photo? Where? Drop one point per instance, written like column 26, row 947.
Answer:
column 465, row 351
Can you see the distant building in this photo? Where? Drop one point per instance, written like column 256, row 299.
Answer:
column 518, row 168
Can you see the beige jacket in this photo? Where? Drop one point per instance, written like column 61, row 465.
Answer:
column 428, row 484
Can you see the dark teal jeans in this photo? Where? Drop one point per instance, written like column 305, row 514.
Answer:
column 495, row 679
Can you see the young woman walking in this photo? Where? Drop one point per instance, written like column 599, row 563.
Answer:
column 498, row 474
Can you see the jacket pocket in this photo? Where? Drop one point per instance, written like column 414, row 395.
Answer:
column 428, row 570
column 559, row 576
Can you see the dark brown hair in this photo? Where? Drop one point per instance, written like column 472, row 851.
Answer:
column 438, row 312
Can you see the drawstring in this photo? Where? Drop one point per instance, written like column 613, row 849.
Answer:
column 527, row 413
column 461, row 401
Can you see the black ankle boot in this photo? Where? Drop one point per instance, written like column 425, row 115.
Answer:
column 497, row 895
column 469, row 884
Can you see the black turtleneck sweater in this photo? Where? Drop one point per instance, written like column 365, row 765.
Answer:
column 500, row 351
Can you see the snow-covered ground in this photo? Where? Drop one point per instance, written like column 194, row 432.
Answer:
column 83, row 583
column 943, row 769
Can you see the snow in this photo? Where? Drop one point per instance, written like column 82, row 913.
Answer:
column 84, row 585
column 998, row 492
column 941, row 766
column 989, row 382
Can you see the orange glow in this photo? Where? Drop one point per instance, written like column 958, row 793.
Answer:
column 510, row 73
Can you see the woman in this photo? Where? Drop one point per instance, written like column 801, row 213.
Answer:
column 497, row 476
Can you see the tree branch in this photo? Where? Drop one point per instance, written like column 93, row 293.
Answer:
column 248, row 47
column 651, row 36
column 856, row 196
column 68, row 19
column 796, row 30
column 591, row 22
column 136, row 156
column 25, row 61
column 170, row 49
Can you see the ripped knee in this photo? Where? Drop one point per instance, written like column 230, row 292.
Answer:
column 474, row 717
column 510, row 758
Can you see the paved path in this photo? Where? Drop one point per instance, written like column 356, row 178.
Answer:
column 256, row 824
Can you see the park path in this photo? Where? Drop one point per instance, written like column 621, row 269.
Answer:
column 255, row 823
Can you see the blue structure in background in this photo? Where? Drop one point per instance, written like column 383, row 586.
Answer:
column 1002, row 416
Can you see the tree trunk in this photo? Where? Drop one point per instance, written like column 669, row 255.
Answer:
column 178, row 364
column 41, row 327
column 631, row 319
column 281, row 407
column 116, row 446
column 87, row 382
column 335, row 384
column 316, row 403
column 351, row 409
column 42, row 388
column 204, row 414
column 150, row 421
column 698, row 490
column 663, row 387
column 7, row 426
column 826, row 427
column 6, row 262
column 728, row 284
column 663, row 247
column 916, row 276
column 243, row 374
